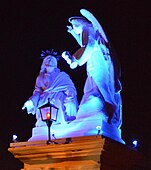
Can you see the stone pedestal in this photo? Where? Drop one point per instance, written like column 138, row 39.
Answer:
column 78, row 153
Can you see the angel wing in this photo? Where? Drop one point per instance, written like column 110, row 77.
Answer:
column 87, row 14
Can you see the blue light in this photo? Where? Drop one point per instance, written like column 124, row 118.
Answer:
column 135, row 143
column 14, row 137
column 98, row 128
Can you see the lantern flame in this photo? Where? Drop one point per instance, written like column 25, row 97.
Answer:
column 47, row 115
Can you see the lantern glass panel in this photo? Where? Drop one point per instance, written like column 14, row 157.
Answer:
column 51, row 110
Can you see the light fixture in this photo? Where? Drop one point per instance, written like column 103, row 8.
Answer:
column 98, row 128
column 15, row 138
column 48, row 114
column 134, row 144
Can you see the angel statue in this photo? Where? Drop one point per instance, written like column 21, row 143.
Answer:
column 102, row 87
column 55, row 85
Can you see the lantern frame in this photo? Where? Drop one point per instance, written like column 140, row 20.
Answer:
column 46, row 113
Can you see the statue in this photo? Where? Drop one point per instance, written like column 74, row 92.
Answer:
column 56, row 86
column 100, row 109
column 102, row 87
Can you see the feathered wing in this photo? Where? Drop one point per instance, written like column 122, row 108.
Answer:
column 87, row 14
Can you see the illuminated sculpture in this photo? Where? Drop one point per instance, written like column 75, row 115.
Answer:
column 100, row 110
column 102, row 87
column 57, row 87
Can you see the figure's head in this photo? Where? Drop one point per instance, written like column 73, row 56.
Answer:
column 78, row 20
column 78, row 23
column 49, row 63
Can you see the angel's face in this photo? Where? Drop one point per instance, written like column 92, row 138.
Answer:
column 77, row 25
column 77, row 28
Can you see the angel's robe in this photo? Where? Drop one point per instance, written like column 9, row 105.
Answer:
column 102, row 79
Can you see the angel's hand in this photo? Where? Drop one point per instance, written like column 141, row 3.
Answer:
column 66, row 56
column 69, row 28
column 74, row 65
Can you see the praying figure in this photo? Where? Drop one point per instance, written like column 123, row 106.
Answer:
column 56, row 87
column 102, row 87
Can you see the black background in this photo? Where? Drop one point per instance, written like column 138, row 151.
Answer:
column 27, row 27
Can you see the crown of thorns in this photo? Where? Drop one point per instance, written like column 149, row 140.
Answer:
column 52, row 53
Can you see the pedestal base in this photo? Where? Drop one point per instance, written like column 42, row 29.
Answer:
column 82, row 153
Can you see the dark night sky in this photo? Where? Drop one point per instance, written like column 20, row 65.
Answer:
column 27, row 27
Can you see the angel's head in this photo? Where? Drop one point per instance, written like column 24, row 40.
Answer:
column 78, row 23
